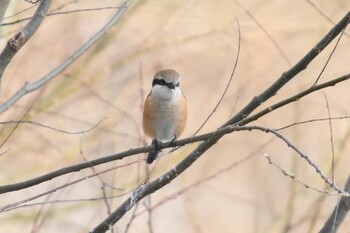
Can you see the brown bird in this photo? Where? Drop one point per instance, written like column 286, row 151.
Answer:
column 165, row 110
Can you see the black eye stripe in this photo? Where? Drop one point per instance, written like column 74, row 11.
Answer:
column 162, row 82
column 159, row 82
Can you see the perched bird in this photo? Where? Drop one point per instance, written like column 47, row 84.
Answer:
column 165, row 110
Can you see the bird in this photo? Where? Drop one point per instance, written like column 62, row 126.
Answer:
column 165, row 110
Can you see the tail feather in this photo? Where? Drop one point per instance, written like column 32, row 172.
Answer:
column 152, row 155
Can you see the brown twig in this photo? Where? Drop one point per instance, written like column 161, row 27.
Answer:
column 229, row 80
column 18, row 40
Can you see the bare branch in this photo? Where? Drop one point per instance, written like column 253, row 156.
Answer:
column 30, row 87
column 16, row 204
column 18, row 40
column 330, row 56
column 229, row 81
column 17, row 124
column 331, row 137
column 297, row 180
column 182, row 142
column 339, row 213
column 64, row 13
column 204, row 137
column 266, row 32
column 3, row 7
column 51, row 127
column 291, row 73
column 165, row 179
column 146, row 189
column 312, row 120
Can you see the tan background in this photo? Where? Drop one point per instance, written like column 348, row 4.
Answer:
column 199, row 39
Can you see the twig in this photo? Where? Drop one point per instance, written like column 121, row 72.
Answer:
column 289, row 100
column 331, row 137
column 3, row 8
column 30, row 87
column 64, row 13
column 165, row 179
column 291, row 73
column 64, row 201
column 103, row 185
column 329, row 57
column 322, row 13
column 311, row 121
column 18, row 40
column 50, row 127
column 201, row 181
column 339, row 213
column 33, row 1
column 266, row 32
column 17, row 124
column 297, row 180
column 16, row 204
column 204, row 137
column 145, row 189
column 229, row 81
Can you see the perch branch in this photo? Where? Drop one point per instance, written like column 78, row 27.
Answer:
column 30, row 87
column 19, row 39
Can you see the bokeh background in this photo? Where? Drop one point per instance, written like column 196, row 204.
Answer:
column 103, row 91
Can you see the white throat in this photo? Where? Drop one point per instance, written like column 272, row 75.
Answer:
column 163, row 92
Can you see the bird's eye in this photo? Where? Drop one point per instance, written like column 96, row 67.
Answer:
column 177, row 84
column 161, row 82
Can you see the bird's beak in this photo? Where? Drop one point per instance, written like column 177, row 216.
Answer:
column 171, row 86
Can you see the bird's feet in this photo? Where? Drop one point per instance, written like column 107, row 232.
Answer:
column 172, row 142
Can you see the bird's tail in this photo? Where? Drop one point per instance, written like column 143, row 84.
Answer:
column 153, row 154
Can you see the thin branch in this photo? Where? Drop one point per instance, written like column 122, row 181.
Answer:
column 229, row 81
column 312, row 120
column 208, row 137
column 30, row 87
column 329, row 57
column 3, row 7
column 292, row 72
column 293, row 99
column 322, row 13
column 33, row 1
column 297, row 180
column 266, row 32
column 17, row 124
column 145, row 189
column 18, row 40
column 64, row 13
column 339, row 213
column 201, row 181
column 16, row 204
column 51, row 127
column 331, row 136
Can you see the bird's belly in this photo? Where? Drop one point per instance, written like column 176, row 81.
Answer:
column 165, row 128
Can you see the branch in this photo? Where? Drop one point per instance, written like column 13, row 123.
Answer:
column 3, row 7
column 30, row 87
column 229, row 81
column 63, row 13
column 17, row 41
column 165, row 179
column 339, row 213
column 291, row 73
column 204, row 137
column 145, row 189
column 293, row 99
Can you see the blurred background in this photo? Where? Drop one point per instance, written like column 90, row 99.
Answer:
column 96, row 108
